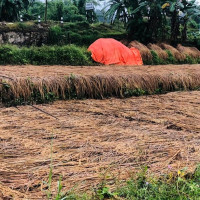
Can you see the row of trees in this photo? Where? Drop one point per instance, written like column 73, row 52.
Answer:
column 145, row 20
column 155, row 19
column 70, row 10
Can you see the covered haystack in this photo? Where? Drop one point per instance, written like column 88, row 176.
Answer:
column 190, row 51
column 177, row 55
column 109, row 51
column 160, row 52
column 145, row 52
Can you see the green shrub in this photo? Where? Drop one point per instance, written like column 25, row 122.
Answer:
column 171, row 186
column 10, row 54
column 56, row 35
column 83, row 25
column 171, row 59
column 75, row 38
column 155, row 58
column 190, row 60
column 45, row 55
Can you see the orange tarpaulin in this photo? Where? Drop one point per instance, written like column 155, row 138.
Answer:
column 109, row 51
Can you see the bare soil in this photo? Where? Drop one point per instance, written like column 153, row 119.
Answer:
column 93, row 138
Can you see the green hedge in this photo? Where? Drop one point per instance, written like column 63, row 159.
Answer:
column 45, row 55
column 68, row 55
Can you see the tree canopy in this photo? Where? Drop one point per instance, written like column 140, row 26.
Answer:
column 10, row 9
column 155, row 19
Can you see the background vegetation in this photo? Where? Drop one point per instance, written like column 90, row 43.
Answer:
column 171, row 21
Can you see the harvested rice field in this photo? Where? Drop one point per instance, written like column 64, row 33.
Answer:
column 86, row 140
column 49, row 71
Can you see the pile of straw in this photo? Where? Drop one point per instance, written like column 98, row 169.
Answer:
column 177, row 55
column 124, row 42
column 145, row 52
column 93, row 86
column 190, row 51
column 162, row 54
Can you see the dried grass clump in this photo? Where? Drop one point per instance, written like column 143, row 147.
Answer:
column 193, row 52
column 176, row 54
column 160, row 52
column 21, row 90
column 124, row 42
column 145, row 52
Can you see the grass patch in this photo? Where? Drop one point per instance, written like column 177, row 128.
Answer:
column 174, row 185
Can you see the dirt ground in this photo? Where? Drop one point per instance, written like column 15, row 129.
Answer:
column 91, row 138
column 46, row 71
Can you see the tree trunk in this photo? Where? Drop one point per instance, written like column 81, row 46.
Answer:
column 184, row 31
column 174, row 26
column 45, row 14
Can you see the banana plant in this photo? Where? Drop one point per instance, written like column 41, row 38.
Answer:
column 153, row 12
column 117, row 9
column 181, row 12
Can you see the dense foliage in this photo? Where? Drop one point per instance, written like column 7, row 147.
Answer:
column 71, row 11
column 46, row 55
column 10, row 9
column 83, row 33
column 174, row 21
column 150, row 21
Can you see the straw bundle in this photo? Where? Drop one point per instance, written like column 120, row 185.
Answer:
column 190, row 51
column 97, row 86
column 177, row 55
column 145, row 52
column 124, row 42
column 160, row 52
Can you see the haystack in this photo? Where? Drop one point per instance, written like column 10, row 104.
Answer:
column 124, row 42
column 145, row 52
column 177, row 55
column 160, row 52
column 190, row 51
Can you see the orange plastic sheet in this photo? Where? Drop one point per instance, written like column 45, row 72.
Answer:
column 109, row 51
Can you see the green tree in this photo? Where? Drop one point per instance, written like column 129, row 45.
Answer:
column 37, row 8
column 151, row 20
column 10, row 9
